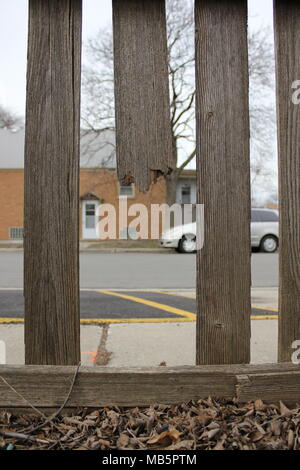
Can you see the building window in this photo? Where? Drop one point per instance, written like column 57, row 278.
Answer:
column 16, row 233
column 126, row 189
column 90, row 212
column 185, row 194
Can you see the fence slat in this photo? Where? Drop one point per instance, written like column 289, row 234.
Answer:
column 223, row 265
column 51, row 273
column 287, row 45
column 143, row 128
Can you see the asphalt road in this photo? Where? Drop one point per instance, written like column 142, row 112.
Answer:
column 138, row 270
column 120, row 306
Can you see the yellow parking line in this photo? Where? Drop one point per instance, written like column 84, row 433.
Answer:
column 261, row 307
column 11, row 320
column 264, row 317
column 89, row 321
column 253, row 317
column 183, row 313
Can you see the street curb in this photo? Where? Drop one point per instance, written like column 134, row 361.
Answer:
column 11, row 249
column 107, row 250
column 126, row 250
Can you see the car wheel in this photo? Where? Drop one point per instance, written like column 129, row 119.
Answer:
column 187, row 244
column 269, row 244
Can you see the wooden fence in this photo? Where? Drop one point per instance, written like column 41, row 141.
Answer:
column 51, row 287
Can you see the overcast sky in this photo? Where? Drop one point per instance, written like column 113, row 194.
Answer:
column 96, row 14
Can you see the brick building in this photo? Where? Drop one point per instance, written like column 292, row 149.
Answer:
column 98, row 185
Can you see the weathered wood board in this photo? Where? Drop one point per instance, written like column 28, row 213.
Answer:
column 51, row 245
column 223, row 178
column 143, row 125
column 287, row 46
column 48, row 386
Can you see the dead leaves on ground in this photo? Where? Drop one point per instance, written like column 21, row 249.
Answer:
column 165, row 439
column 205, row 425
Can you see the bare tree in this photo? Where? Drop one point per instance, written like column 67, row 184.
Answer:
column 9, row 120
column 262, row 112
column 98, row 90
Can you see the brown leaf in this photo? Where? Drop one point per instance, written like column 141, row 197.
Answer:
column 88, row 422
column 68, row 435
column 213, row 425
column 166, row 438
column 284, row 411
column 74, row 421
column 290, row 439
column 5, row 417
column 276, row 427
column 182, row 445
column 260, row 428
column 204, row 418
column 259, row 405
column 91, row 417
column 211, row 434
column 123, row 441
column 104, row 443
column 220, row 444
column 256, row 436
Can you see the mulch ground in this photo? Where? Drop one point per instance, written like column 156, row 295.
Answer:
column 204, row 425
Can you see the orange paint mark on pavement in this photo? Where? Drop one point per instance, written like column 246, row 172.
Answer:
column 92, row 354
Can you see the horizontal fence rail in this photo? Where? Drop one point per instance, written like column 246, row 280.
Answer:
column 48, row 386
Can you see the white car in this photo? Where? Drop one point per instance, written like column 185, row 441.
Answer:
column 264, row 233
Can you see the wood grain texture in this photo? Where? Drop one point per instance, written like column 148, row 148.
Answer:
column 47, row 386
column 287, row 46
column 51, row 261
column 223, row 177
column 270, row 387
column 143, row 126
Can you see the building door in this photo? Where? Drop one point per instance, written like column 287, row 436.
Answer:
column 89, row 212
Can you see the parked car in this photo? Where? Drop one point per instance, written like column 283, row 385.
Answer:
column 264, row 233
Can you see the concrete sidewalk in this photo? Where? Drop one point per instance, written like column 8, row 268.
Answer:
column 150, row 344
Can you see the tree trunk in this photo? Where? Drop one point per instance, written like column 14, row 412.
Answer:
column 171, row 183
column 172, row 177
